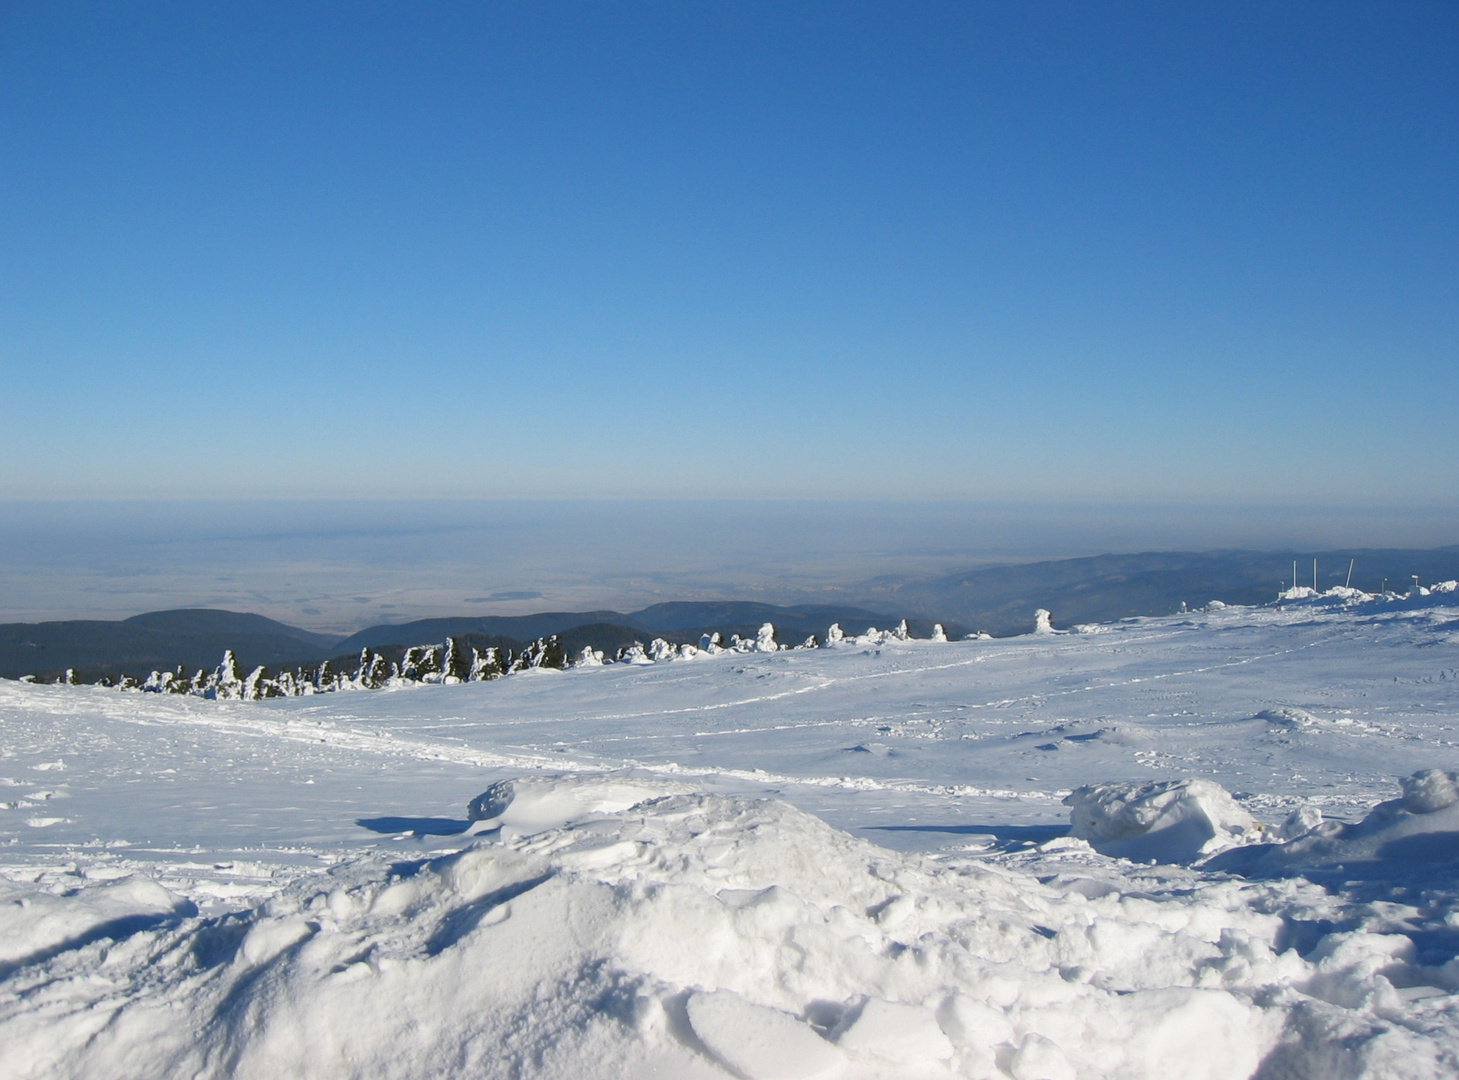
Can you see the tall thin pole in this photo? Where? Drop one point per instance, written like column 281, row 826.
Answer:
column 1294, row 573
column 1349, row 583
column 1314, row 575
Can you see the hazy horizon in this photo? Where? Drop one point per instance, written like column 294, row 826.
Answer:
column 338, row 566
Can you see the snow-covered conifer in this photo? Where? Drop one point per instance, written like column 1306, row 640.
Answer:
column 454, row 668
column 253, row 688
column 1042, row 622
column 811, row 642
column 938, row 634
column 485, row 665
column 835, row 635
column 548, row 652
column 659, row 650
column 711, row 643
column 228, row 680
column 901, row 633
column 765, row 639
column 590, row 657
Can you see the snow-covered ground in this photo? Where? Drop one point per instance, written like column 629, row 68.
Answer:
column 848, row 862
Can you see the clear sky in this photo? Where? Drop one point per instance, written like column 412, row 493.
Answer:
column 1159, row 251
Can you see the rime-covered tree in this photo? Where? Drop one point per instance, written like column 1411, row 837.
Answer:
column 486, row 665
column 455, row 668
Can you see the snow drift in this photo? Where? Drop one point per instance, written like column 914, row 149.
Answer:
column 687, row 935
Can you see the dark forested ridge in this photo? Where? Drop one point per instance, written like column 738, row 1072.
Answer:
column 160, row 639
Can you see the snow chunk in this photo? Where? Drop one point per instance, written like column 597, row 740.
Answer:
column 894, row 1032
column 757, row 1042
column 1175, row 821
column 531, row 804
column 1429, row 790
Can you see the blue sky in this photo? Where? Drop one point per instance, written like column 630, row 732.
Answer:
column 1189, row 252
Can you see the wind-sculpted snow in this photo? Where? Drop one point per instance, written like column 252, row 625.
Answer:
column 686, row 869
column 691, row 936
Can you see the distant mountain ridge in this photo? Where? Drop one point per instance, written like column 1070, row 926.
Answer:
column 1103, row 588
column 192, row 637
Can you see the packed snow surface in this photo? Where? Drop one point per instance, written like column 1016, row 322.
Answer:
column 1223, row 844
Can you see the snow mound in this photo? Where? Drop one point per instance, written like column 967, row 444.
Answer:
column 1175, row 821
column 1414, row 835
column 695, row 936
column 1289, row 716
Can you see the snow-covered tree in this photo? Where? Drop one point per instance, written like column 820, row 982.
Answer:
column 765, row 639
column 901, row 633
column 711, row 643
column 253, row 685
column 1042, row 622
column 228, row 680
column 835, row 635
column 938, row 634
column 486, row 665
column 590, row 657
column 422, row 663
column 455, row 668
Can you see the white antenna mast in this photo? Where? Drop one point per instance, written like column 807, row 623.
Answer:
column 1314, row 575
column 1349, row 583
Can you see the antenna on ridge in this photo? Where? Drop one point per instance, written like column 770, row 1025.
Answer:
column 1349, row 583
column 1314, row 575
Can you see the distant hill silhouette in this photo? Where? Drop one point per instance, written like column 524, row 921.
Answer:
column 194, row 638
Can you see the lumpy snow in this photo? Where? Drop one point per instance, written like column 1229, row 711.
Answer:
column 1222, row 844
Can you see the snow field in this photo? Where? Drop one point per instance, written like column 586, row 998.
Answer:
column 667, row 868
